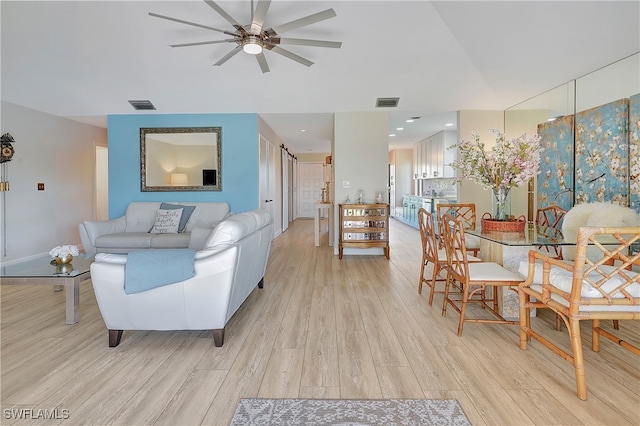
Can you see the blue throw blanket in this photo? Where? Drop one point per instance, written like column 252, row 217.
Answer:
column 147, row 269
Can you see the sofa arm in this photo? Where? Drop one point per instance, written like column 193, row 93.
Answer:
column 90, row 230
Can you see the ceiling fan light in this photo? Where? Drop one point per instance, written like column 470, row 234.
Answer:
column 252, row 45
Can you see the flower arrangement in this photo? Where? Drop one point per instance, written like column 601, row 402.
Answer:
column 509, row 164
column 64, row 251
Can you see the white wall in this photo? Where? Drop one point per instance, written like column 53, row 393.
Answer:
column 61, row 154
column 360, row 155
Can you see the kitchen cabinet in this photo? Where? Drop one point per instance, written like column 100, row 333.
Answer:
column 364, row 226
column 410, row 206
column 432, row 156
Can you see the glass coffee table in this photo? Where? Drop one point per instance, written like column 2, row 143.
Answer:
column 40, row 271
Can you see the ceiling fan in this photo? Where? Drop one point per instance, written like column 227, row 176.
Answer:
column 253, row 38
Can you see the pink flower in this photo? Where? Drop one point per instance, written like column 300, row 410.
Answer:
column 510, row 163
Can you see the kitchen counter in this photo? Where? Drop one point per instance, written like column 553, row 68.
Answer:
column 412, row 203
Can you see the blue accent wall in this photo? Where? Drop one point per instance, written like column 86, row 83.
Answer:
column 239, row 159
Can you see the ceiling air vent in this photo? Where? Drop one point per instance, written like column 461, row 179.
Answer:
column 142, row 105
column 387, row 102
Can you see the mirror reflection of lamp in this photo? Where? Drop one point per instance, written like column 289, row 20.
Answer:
column 6, row 154
column 179, row 179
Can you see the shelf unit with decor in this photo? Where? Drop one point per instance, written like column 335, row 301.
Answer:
column 364, row 226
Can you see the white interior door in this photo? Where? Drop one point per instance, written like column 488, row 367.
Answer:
column 285, row 189
column 267, row 177
column 310, row 182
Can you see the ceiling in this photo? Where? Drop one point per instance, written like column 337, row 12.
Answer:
column 86, row 59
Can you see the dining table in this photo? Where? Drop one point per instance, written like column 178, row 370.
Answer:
column 509, row 249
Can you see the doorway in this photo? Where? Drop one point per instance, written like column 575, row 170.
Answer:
column 102, row 183
column 267, row 181
column 310, row 180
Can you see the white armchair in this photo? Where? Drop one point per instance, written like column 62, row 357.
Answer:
column 231, row 263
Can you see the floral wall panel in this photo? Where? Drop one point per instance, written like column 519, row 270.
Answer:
column 602, row 149
column 634, row 152
column 555, row 181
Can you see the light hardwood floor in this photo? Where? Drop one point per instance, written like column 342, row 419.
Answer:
column 320, row 328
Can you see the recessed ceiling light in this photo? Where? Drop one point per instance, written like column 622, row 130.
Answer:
column 392, row 134
column 449, row 124
column 411, row 120
column 400, row 128
column 302, row 130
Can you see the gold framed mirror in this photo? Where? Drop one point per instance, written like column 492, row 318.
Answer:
column 180, row 159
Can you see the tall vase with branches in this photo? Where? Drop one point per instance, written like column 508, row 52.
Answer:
column 509, row 164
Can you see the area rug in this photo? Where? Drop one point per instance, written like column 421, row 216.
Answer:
column 352, row 412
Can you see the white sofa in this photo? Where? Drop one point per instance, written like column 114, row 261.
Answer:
column 132, row 231
column 228, row 267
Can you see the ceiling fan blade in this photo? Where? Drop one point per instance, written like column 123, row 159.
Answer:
column 290, row 55
column 200, row 43
column 305, row 42
column 258, row 18
column 262, row 61
column 225, row 15
column 308, row 20
column 228, row 56
column 168, row 18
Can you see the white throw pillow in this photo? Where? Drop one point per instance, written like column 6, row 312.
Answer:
column 167, row 221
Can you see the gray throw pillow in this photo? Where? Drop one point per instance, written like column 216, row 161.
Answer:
column 186, row 213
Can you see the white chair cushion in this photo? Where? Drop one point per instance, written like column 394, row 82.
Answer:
column 563, row 279
column 490, row 271
column 586, row 308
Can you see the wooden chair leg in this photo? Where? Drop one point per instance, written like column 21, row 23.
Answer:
column 595, row 336
column 436, row 271
column 616, row 325
column 578, row 359
column 558, row 323
column 524, row 315
column 424, row 265
column 463, row 307
column 445, row 300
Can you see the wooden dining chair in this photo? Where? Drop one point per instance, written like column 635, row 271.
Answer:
column 551, row 217
column 432, row 254
column 472, row 277
column 604, row 287
column 466, row 214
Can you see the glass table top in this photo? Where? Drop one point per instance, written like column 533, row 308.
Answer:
column 41, row 267
column 533, row 235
